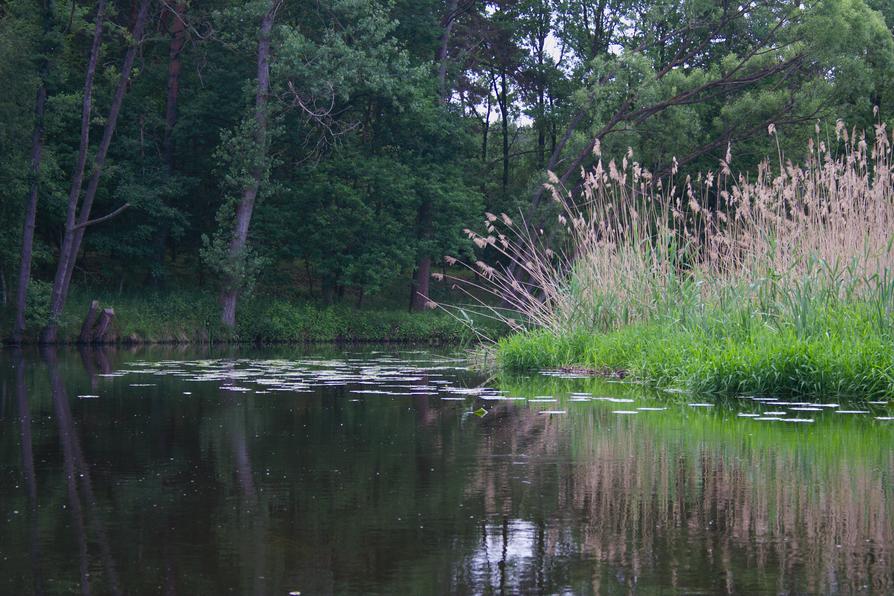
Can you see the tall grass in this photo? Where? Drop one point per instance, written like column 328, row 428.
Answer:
column 795, row 259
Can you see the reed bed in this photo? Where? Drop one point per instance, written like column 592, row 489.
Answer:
column 778, row 282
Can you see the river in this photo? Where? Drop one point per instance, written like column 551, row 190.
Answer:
column 388, row 470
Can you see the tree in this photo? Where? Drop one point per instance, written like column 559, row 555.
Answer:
column 421, row 279
column 236, row 252
column 78, row 214
column 37, row 141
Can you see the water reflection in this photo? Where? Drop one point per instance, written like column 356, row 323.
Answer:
column 640, row 506
column 28, row 472
column 78, row 482
column 359, row 473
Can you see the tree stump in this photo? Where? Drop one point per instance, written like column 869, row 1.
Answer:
column 104, row 325
column 86, row 335
column 97, row 324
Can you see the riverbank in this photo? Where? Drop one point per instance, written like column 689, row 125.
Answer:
column 779, row 284
column 193, row 318
column 843, row 355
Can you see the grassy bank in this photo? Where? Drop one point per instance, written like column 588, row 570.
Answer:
column 779, row 284
column 764, row 360
column 194, row 317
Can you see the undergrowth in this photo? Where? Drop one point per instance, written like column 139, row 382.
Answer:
column 194, row 317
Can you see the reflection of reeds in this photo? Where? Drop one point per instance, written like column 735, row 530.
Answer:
column 726, row 515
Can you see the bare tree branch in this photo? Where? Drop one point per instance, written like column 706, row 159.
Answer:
column 106, row 217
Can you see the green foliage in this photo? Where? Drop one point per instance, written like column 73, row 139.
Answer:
column 38, row 302
column 366, row 167
column 180, row 317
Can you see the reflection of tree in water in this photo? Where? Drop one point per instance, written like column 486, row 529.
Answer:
column 664, row 508
column 76, row 468
column 28, row 470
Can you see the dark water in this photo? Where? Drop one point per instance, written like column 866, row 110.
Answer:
column 366, row 472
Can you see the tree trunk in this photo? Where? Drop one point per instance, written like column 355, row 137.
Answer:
column 34, row 179
column 244, row 209
column 76, row 226
column 107, row 134
column 420, row 283
column 48, row 334
column 485, row 131
column 86, row 335
column 30, row 215
column 443, row 49
column 504, row 113
column 104, row 325
column 175, row 65
column 541, row 130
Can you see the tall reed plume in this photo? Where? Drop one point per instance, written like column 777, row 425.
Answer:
column 631, row 248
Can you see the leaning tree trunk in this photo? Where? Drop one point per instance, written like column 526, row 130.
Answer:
column 75, row 226
column 107, row 134
column 48, row 334
column 239, row 241
column 419, row 286
column 34, row 180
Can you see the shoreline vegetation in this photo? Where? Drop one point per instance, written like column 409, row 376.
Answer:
column 211, row 172
column 193, row 318
column 780, row 284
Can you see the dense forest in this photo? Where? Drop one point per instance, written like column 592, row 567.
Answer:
column 335, row 151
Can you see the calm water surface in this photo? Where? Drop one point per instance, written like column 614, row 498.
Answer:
column 370, row 472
